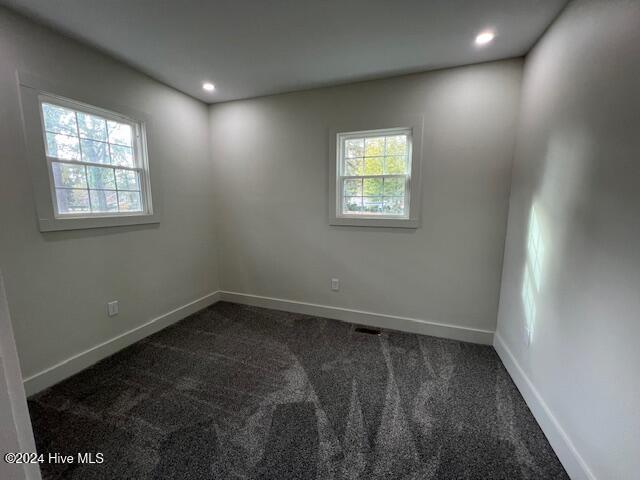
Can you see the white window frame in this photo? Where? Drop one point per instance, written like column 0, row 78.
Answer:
column 412, row 127
column 33, row 92
column 341, row 177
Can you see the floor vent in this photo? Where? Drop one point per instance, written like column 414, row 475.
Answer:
column 368, row 331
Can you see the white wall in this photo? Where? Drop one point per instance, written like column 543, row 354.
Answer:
column 271, row 160
column 577, row 166
column 58, row 283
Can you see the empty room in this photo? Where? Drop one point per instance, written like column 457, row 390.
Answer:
column 319, row 239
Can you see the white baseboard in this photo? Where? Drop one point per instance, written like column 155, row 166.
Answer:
column 566, row 451
column 561, row 443
column 82, row 360
column 56, row 373
column 379, row 320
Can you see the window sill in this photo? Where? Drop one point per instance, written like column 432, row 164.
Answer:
column 82, row 223
column 375, row 222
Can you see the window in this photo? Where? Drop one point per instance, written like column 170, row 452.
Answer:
column 88, row 165
column 376, row 174
column 95, row 159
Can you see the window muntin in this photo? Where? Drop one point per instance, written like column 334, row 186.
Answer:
column 95, row 159
column 374, row 173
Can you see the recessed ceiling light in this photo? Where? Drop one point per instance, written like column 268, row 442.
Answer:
column 209, row 87
column 485, row 37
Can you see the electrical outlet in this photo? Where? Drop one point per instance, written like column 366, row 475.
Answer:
column 112, row 308
column 335, row 284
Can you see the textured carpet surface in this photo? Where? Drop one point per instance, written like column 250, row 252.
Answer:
column 243, row 392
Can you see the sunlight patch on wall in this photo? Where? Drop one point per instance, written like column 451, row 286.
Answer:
column 528, row 301
column 535, row 248
column 532, row 277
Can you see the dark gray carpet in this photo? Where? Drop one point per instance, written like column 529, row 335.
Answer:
column 243, row 392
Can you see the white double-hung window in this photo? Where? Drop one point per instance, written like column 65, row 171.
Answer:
column 374, row 173
column 87, row 156
column 96, row 160
column 373, row 178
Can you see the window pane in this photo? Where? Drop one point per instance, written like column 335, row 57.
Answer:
column 95, row 152
column 352, row 205
column 63, row 146
column 104, row 201
column 394, row 205
column 71, row 135
column 372, row 186
column 353, row 166
column 380, row 186
column 396, row 145
column 373, row 166
column 92, row 127
column 130, row 201
column 354, row 147
column 119, row 133
column 72, row 201
column 70, row 176
column 127, row 180
column 394, row 187
column 101, row 178
column 353, row 187
column 372, row 204
column 59, row 119
column 374, row 147
column 122, row 156
column 395, row 165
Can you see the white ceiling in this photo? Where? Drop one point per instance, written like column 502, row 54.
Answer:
column 257, row 47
